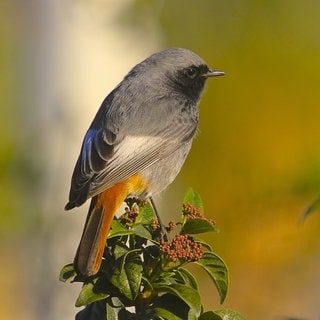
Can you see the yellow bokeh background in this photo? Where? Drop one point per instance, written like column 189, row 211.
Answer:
column 255, row 160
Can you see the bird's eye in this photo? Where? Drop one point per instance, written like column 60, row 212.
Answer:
column 191, row 72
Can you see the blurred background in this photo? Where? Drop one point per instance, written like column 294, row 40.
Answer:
column 255, row 162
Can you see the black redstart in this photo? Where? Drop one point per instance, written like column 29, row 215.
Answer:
column 137, row 143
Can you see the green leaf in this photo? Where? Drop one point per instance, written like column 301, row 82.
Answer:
column 218, row 272
column 228, row 314
column 120, row 249
column 117, row 229
column 196, row 226
column 127, row 277
column 88, row 295
column 165, row 314
column 189, row 295
column 187, row 278
column 203, row 243
column 113, row 307
column 146, row 214
column 141, row 231
column 169, row 306
column 111, row 312
column 210, row 315
column 192, row 197
column 67, row 273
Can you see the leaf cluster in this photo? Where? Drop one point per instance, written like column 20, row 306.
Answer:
column 139, row 279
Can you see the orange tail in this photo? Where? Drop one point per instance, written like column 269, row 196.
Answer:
column 102, row 209
column 93, row 241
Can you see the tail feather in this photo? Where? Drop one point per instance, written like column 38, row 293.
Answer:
column 93, row 241
column 90, row 250
column 101, row 212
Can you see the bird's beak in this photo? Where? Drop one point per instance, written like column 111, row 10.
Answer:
column 214, row 73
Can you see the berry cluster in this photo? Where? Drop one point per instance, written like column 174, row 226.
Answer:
column 155, row 225
column 191, row 212
column 130, row 215
column 183, row 248
column 171, row 226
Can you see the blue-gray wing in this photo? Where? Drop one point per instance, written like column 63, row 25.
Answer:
column 115, row 148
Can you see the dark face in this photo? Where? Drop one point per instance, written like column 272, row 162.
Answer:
column 190, row 81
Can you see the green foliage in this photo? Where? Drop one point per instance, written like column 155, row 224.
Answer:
column 143, row 276
column 217, row 271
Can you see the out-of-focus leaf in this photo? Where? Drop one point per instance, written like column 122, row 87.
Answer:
column 217, row 270
column 67, row 273
column 192, row 197
column 127, row 278
column 195, row 226
column 189, row 295
column 314, row 206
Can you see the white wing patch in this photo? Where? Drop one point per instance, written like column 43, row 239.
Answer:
column 132, row 155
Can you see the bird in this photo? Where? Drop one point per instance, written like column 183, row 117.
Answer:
column 136, row 143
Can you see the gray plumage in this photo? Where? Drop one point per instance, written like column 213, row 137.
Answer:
column 145, row 125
